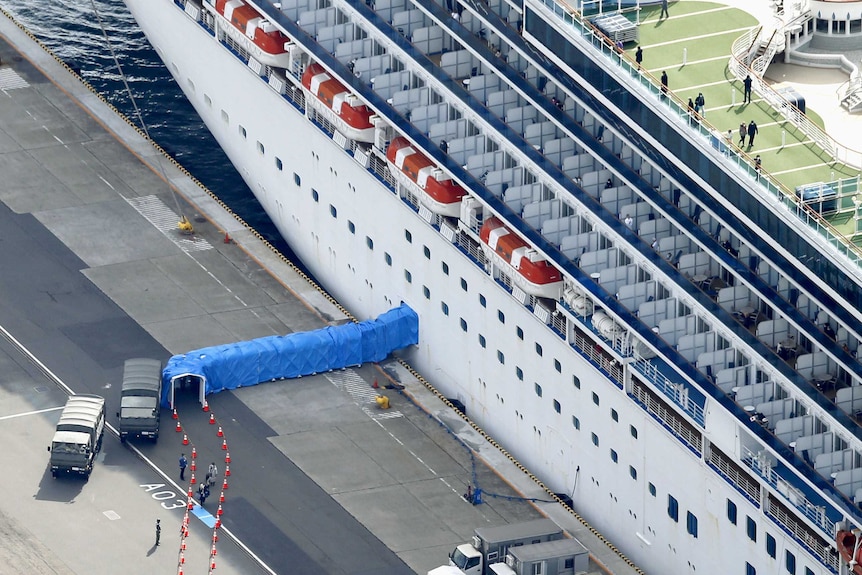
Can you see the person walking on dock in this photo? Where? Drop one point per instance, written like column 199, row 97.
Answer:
column 746, row 95
column 183, row 464
column 752, row 131
column 212, row 473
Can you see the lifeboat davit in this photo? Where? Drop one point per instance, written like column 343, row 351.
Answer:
column 257, row 35
column 333, row 101
column 434, row 188
column 535, row 275
column 849, row 549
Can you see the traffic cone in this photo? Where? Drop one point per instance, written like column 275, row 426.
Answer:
column 227, row 238
column 192, row 481
column 185, row 439
column 191, row 504
column 215, row 537
column 218, row 523
column 194, row 465
column 212, row 566
column 224, row 484
column 190, row 496
column 182, row 558
column 212, row 418
column 375, row 385
column 175, row 414
column 221, row 497
column 224, row 445
column 227, row 457
column 213, row 553
column 219, row 512
column 227, row 470
column 220, row 432
column 183, row 545
column 179, row 427
column 194, row 453
column 206, row 406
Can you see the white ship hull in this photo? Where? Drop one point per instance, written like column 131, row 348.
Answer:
column 590, row 439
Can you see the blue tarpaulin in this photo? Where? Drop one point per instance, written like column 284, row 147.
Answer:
column 246, row 363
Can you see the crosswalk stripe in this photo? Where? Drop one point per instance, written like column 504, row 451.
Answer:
column 10, row 80
column 165, row 220
column 361, row 393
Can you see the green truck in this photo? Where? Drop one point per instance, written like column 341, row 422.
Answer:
column 140, row 397
column 78, row 437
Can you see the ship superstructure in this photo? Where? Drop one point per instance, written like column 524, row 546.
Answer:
column 610, row 296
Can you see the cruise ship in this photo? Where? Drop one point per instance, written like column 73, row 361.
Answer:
column 619, row 299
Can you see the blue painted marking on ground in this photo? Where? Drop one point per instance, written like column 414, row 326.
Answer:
column 205, row 516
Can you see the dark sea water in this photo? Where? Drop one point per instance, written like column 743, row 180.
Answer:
column 76, row 30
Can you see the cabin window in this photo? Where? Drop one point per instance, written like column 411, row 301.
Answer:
column 369, row 242
column 242, row 132
column 614, row 415
column 790, row 562
column 750, row 570
column 576, row 381
column 279, row 165
column 426, row 292
column 576, row 423
column 751, row 528
column 614, row 456
column 558, row 366
column 463, row 284
column 296, row 179
column 519, row 332
column 387, row 258
column 482, row 301
column 691, row 524
column 731, row 511
column 557, row 407
column 672, row 508
column 445, row 307
column 482, row 340
column 539, row 351
column 633, row 473
column 260, row 149
column 332, row 211
column 595, row 439
column 351, row 227
column 408, row 236
column 314, row 195
column 408, row 276
column 463, row 325
column 652, row 490
column 519, row 373
column 770, row 545
column 501, row 357
column 501, row 316
column 634, row 431
column 445, row 267
column 427, row 251
column 595, row 398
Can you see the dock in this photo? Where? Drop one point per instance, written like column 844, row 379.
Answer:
column 96, row 271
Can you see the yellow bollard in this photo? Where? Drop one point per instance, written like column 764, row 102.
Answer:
column 382, row 402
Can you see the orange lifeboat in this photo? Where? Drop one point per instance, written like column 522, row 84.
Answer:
column 248, row 28
column 536, row 276
column 332, row 100
column 435, row 190
column 849, row 549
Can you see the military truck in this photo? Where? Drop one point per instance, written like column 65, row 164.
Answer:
column 78, row 437
column 140, row 398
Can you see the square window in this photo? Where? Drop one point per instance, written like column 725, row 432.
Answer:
column 332, row 211
column 369, row 242
column 408, row 236
column 557, row 407
column 296, row 179
column 482, row 301
column 539, row 349
column 519, row 373
column 672, row 508
column 633, row 473
column 501, row 316
column 750, row 570
column 558, row 366
column 634, row 431
column 538, row 389
column 445, row 267
column 351, row 227
column 444, row 307
column 426, row 251
column 595, row 398
column 500, row 357
column 519, row 332
column 614, row 415
column 691, row 524
column 790, row 562
column 426, row 292
column 463, row 284
column 387, row 258
column 809, row 571
column 751, row 528
column 614, row 457
column 314, row 195
column 576, row 422
column 731, row 511
column 408, row 276
column 770, row 545
column 482, row 340
column 463, row 325
column 576, row 381
column 279, row 165
column 595, row 439
column 652, row 489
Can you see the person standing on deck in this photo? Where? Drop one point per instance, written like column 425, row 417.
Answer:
column 664, row 82
column 664, row 12
column 752, row 131
column 746, row 95
column 639, row 56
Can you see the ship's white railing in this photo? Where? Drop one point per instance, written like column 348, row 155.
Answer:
column 676, row 392
column 802, row 534
column 668, row 417
column 761, row 463
column 735, row 475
